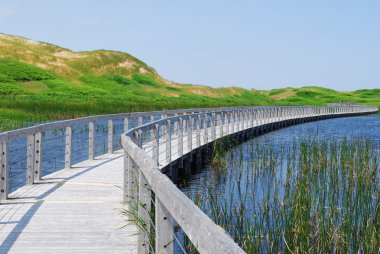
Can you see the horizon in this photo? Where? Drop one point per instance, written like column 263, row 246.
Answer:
column 340, row 53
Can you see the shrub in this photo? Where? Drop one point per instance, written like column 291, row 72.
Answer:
column 23, row 72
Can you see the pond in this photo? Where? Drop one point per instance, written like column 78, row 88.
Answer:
column 313, row 187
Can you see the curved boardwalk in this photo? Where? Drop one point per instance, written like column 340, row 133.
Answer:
column 78, row 209
column 74, row 210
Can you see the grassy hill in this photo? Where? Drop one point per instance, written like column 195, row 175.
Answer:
column 41, row 82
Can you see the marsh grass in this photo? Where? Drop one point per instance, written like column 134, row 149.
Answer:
column 312, row 197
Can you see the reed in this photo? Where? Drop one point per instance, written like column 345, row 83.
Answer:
column 313, row 196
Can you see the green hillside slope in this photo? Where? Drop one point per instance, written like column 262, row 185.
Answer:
column 41, row 82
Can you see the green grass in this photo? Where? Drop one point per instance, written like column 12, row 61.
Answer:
column 41, row 82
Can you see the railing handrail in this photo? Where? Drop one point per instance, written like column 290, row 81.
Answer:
column 4, row 136
column 204, row 234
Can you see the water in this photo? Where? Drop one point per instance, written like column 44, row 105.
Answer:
column 223, row 183
column 352, row 127
column 53, row 148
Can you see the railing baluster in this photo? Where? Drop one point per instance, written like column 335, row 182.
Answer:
column 30, row 160
column 175, row 126
column 233, row 121
column 91, row 140
column 155, row 144
column 110, row 136
column 164, row 229
column 144, row 205
column 189, row 133
column 246, row 119
column 219, row 120
column 4, row 171
column 180, row 137
column 227, row 120
column 205, row 128
column 68, row 146
column 168, row 142
column 152, row 130
column 37, row 157
column 198, row 130
column 213, row 127
column 126, row 124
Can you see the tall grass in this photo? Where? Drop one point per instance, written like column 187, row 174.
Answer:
column 316, row 196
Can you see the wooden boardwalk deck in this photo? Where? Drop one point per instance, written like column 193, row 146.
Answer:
column 71, row 211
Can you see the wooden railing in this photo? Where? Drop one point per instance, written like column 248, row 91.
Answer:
column 150, row 148
column 25, row 153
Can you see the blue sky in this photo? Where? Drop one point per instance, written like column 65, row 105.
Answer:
column 251, row 44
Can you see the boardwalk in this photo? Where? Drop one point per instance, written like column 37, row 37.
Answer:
column 78, row 209
column 71, row 211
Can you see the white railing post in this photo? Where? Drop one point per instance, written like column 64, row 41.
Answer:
column 168, row 141
column 198, row 130
column 156, row 144
column 68, row 146
column 130, row 178
column 176, row 125
column 30, row 160
column 152, row 130
column 213, row 127
column 205, row 128
column 144, row 205
column 219, row 120
column 262, row 117
column 180, row 137
column 189, row 133
column 226, row 124
column 37, row 157
column 110, row 136
column 164, row 229
column 239, row 119
column 91, row 141
column 245, row 119
column 227, row 120
column 126, row 124
column 232, row 121
column 4, row 171
column 250, row 115
column 139, row 120
column 253, row 117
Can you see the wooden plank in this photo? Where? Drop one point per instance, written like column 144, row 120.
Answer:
column 75, row 210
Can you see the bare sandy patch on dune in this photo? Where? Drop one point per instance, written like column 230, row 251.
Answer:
column 142, row 70
column 204, row 92
column 31, row 42
column 284, row 95
column 68, row 55
column 126, row 64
